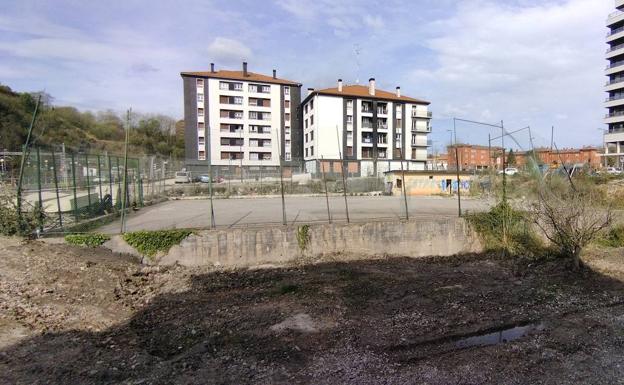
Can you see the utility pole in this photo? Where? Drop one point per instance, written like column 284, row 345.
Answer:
column 459, row 211
column 25, row 154
column 125, row 175
column 344, row 183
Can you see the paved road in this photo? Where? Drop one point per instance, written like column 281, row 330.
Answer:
column 256, row 211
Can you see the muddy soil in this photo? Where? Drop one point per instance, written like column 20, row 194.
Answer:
column 84, row 316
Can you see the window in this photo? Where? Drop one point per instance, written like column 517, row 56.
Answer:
column 238, row 100
column 200, row 112
column 398, row 123
column 201, row 141
column 287, row 117
column 200, row 98
column 367, row 152
column 381, row 138
column 253, row 88
column 224, row 86
column 238, row 86
column 253, row 142
column 397, row 140
column 312, row 104
column 253, row 115
column 306, row 138
column 311, row 119
column 306, row 151
column 253, row 156
column 305, row 109
column 287, row 143
column 287, row 104
column 399, row 183
column 349, row 119
column 349, row 104
column 201, row 155
column 349, row 151
column 201, row 125
column 306, row 123
column 287, row 156
column 266, row 89
column 238, row 115
column 349, row 135
column 311, row 150
column 286, row 90
column 200, row 82
column 311, row 135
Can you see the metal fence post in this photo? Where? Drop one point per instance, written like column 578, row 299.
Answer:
column 326, row 193
column 99, row 169
column 40, row 200
column 56, row 188
column 89, row 210
column 119, row 192
column 110, row 177
column 73, row 166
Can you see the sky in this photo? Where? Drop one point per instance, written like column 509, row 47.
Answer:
column 537, row 63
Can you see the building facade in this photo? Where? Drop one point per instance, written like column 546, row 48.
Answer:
column 474, row 157
column 371, row 129
column 240, row 118
column 590, row 156
column 614, row 135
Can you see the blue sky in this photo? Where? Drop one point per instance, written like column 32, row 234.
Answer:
column 527, row 62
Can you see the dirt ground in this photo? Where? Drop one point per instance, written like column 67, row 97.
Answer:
column 83, row 316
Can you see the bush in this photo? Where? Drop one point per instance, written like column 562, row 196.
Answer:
column 88, row 240
column 10, row 223
column 613, row 238
column 505, row 229
column 149, row 243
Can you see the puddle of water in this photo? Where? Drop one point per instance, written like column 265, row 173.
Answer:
column 499, row 337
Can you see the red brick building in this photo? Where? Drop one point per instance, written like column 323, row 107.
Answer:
column 586, row 155
column 474, row 157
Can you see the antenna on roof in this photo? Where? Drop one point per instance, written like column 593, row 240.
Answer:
column 357, row 50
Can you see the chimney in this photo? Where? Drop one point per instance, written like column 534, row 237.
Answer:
column 245, row 68
column 310, row 90
column 339, row 85
column 371, row 86
column 212, row 67
column 398, row 92
column 274, row 74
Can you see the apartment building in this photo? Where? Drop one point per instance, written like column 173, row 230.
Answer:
column 614, row 135
column 371, row 129
column 474, row 157
column 240, row 118
column 568, row 156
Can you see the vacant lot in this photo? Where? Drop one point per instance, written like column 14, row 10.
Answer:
column 250, row 211
column 77, row 316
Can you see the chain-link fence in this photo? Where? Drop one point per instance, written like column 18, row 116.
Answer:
column 75, row 188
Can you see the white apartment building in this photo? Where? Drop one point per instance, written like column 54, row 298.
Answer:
column 240, row 118
column 614, row 135
column 371, row 129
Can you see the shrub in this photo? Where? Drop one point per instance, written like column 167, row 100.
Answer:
column 613, row 238
column 505, row 229
column 10, row 223
column 149, row 243
column 88, row 240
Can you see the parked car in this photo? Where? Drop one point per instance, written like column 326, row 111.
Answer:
column 183, row 177
column 204, row 178
column 509, row 171
column 614, row 170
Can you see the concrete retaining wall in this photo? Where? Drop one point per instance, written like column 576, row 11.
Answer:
column 273, row 245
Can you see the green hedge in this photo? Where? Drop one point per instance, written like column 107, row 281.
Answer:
column 88, row 240
column 149, row 243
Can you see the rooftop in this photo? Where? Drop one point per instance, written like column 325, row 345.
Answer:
column 363, row 92
column 240, row 75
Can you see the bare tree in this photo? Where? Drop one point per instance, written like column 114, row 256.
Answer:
column 570, row 217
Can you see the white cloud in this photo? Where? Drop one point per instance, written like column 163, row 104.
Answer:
column 228, row 50
column 374, row 22
column 534, row 63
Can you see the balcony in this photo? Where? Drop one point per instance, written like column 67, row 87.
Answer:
column 421, row 114
column 614, row 101
column 382, row 111
column 615, row 17
column 614, row 84
column 615, row 34
column 614, row 67
column 614, row 51
column 614, row 117
column 614, row 136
